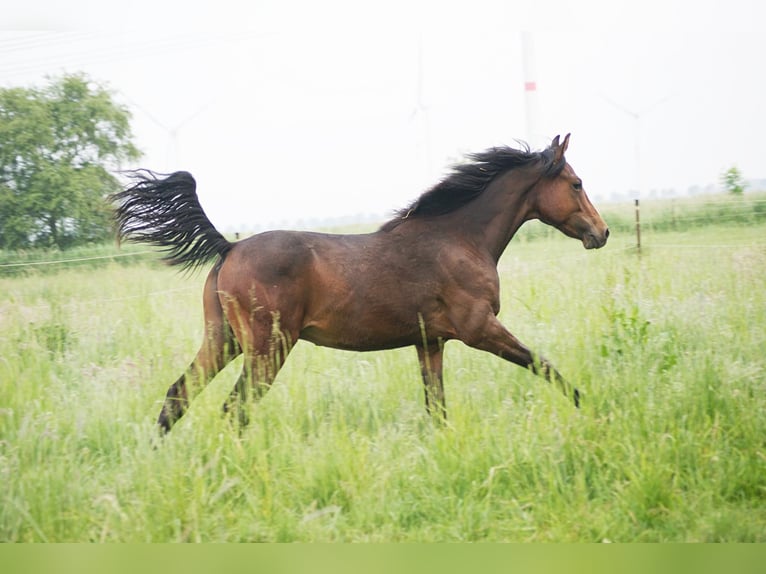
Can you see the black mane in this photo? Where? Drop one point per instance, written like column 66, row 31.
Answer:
column 470, row 179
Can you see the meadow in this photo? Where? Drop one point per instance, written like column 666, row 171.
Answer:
column 669, row 445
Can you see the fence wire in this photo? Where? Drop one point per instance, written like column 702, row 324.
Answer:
column 74, row 260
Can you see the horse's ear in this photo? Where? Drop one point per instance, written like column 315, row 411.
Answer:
column 565, row 144
column 559, row 149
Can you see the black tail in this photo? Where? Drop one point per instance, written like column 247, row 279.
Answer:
column 167, row 213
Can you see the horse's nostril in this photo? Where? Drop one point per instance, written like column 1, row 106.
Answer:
column 606, row 233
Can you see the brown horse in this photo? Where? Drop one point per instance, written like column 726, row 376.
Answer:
column 426, row 276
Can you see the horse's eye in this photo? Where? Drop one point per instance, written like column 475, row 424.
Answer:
column 577, row 186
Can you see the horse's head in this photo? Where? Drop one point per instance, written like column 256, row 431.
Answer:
column 559, row 199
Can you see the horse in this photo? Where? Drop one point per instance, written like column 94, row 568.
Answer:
column 426, row 276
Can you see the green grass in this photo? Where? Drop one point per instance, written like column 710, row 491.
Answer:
column 46, row 261
column 670, row 445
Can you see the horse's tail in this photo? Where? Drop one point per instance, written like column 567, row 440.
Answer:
column 164, row 210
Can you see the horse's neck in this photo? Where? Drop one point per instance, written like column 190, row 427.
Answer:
column 495, row 216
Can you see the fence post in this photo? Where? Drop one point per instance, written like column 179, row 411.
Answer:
column 638, row 228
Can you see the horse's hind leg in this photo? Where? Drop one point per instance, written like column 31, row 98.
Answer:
column 218, row 348
column 266, row 346
column 430, row 359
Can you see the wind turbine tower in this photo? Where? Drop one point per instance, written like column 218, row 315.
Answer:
column 532, row 108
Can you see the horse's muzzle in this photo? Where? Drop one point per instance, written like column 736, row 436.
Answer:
column 595, row 240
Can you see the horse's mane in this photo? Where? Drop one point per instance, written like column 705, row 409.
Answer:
column 468, row 180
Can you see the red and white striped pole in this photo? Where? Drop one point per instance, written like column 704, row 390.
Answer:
column 533, row 135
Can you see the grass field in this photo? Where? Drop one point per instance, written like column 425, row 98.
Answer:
column 670, row 445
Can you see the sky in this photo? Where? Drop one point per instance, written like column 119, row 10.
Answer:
column 293, row 112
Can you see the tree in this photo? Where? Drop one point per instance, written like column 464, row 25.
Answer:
column 733, row 182
column 58, row 145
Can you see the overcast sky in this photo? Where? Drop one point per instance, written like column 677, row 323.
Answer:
column 286, row 110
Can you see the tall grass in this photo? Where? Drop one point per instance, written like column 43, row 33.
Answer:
column 670, row 444
column 44, row 261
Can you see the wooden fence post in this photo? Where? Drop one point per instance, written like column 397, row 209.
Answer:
column 638, row 228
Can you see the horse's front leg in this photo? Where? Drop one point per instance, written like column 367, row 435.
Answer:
column 430, row 358
column 496, row 339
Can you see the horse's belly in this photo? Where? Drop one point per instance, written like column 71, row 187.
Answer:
column 375, row 327
column 356, row 345
column 357, row 337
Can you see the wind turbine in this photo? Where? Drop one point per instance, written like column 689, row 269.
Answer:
column 531, row 104
column 171, row 153
column 637, row 116
column 421, row 110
